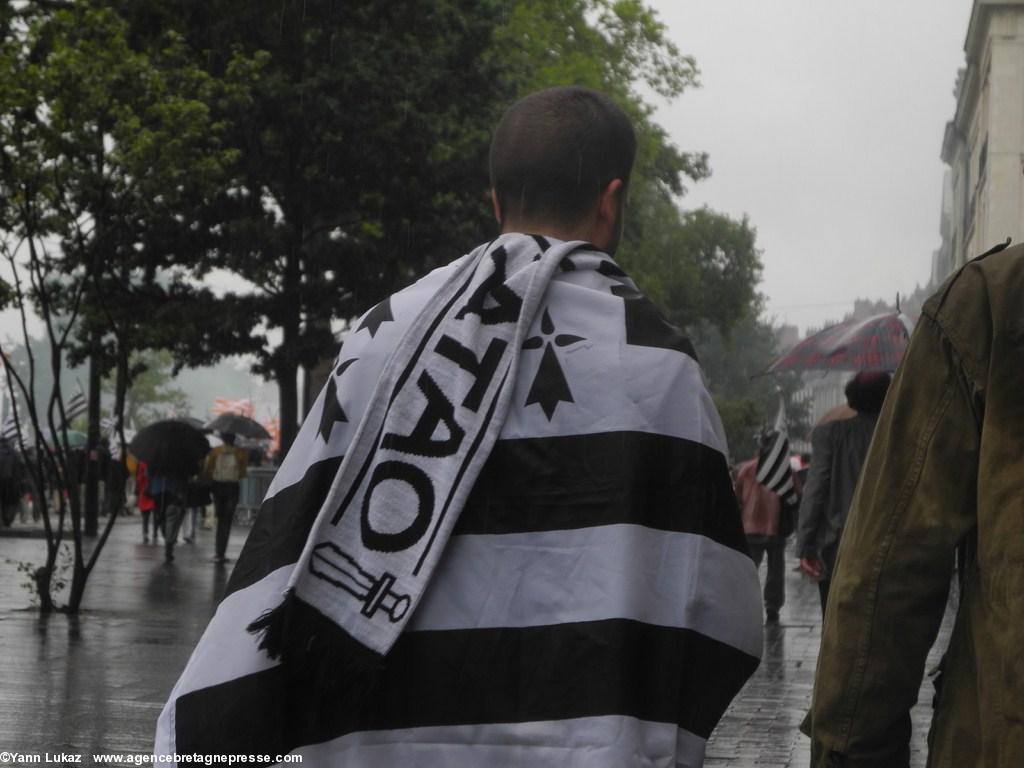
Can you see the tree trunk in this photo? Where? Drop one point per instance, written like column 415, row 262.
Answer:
column 77, row 590
column 288, row 399
column 287, row 367
column 43, row 578
column 92, row 478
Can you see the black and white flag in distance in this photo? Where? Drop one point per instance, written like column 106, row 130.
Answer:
column 75, row 407
column 9, row 430
column 595, row 591
column 774, row 471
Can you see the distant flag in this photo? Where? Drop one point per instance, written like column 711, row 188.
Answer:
column 773, row 467
column 273, row 426
column 76, row 407
column 108, row 425
column 9, row 430
column 242, row 406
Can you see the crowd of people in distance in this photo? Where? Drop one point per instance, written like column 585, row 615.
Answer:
column 170, row 503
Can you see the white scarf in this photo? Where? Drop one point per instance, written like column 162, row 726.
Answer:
column 436, row 412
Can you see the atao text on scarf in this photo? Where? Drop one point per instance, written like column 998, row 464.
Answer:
column 437, row 411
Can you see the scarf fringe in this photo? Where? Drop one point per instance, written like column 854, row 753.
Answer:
column 271, row 625
column 318, row 655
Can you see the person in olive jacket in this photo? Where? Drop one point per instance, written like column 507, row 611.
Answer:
column 945, row 473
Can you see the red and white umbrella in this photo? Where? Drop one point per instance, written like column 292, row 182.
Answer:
column 872, row 344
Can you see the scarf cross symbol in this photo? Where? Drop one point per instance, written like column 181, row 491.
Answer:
column 550, row 387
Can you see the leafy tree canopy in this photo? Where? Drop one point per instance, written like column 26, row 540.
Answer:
column 152, row 395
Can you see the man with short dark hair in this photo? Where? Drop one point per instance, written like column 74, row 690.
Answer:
column 506, row 534
column 554, row 154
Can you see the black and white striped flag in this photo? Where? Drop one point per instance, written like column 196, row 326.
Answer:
column 9, row 430
column 774, row 471
column 75, row 407
column 596, row 592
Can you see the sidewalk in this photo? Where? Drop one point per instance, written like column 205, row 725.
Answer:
column 761, row 728
column 97, row 684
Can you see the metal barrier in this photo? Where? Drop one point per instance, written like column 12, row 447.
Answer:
column 251, row 491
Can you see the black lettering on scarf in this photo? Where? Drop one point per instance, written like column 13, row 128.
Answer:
column 506, row 302
column 421, row 485
column 438, row 410
column 482, row 370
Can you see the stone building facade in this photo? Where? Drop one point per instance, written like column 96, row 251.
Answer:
column 984, row 142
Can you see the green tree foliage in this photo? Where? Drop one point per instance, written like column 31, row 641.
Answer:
column 701, row 266
column 361, row 155
column 108, row 156
column 133, row 155
column 748, row 400
column 153, row 394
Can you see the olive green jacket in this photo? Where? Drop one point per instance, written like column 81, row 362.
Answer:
column 946, row 466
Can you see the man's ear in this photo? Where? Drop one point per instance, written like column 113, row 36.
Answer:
column 609, row 204
column 497, row 206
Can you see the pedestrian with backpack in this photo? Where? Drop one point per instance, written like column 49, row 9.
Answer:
column 224, row 469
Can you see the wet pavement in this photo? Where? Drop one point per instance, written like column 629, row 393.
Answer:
column 761, row 728
column 97, row 683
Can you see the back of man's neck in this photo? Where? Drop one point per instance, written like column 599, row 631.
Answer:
column 548, row 230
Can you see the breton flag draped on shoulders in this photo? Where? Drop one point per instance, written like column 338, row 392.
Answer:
column 506, row 534
column 774, row 470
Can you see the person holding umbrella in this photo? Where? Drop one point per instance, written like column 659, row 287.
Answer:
column 225, row 468
column 839, row 445
column 168, row 491
column 172, row 451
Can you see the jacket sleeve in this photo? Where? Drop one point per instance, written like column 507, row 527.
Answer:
column 815, row 498
column 915, row 501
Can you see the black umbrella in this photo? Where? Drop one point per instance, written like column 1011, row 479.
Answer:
column 237, row 424
column 192, row 421
column 170, row 447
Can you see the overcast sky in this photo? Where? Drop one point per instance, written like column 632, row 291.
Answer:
column 823, row 120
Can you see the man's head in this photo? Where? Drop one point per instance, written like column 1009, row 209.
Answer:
column 865, row 392
column 560, row 165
